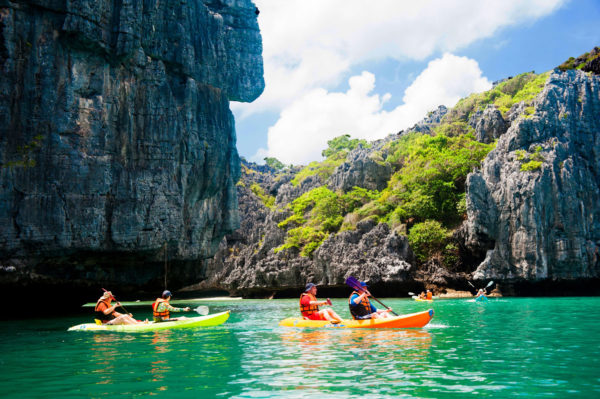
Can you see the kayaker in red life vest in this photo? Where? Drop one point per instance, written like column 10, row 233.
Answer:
column 429, row 295
column 161, row 308
column 105, row 312
column 360, row 306
column 309, row 306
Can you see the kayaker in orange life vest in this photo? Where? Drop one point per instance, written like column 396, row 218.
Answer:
column 429, row 295
column 360, row 306
column 309, row 306
column 161, row 308
column 105, row 312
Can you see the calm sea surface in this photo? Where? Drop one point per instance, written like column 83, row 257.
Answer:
column 514, row 347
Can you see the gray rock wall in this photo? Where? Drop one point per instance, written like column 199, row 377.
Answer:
column 542, row 223
column 137, row 149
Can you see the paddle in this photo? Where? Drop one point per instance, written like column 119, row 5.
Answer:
column 355, row 284
column 201, row 310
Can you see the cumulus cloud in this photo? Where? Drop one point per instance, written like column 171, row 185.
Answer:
column 309, row 44
column 306, row 124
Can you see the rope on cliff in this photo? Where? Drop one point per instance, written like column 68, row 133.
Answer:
column 166, row 247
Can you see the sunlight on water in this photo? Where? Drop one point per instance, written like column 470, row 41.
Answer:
column 512, row 347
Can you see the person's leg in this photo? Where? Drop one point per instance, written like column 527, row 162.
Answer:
column 331, row 315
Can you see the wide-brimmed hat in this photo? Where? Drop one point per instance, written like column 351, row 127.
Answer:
column 309, row 287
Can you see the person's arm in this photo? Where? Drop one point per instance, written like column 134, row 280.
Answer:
column 174, row 309
column 357, row 298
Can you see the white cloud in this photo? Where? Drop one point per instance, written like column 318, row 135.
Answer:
column 305, row 126
column 309, row 44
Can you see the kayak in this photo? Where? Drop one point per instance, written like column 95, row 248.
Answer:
column 481, row 299
column 413, row 320
column 192, row 322
column 416, row 298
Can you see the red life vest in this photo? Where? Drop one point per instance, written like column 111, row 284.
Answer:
column 307, row 310
column 99, row 309
column 163, row 314
column 429, row 295
column 363, row 308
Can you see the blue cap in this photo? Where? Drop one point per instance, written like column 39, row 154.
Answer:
column 166, row 294
column 363, row 284
column 308, row 287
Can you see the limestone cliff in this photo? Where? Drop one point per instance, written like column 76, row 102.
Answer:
column 117, row 143
column 534, row 206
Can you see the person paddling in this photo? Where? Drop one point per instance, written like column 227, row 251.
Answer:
column 361, row 307
column 429, row 295
column 161, row 308
column 106, row 313
column 309, row 306
column 480, row 293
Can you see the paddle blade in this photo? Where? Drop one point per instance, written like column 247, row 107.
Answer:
column 202, row 310
column 411, row 293
column 489, row 284
column 353, row 283
column 471, row 284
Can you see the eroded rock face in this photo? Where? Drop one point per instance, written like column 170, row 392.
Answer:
column 137, row 149
column 542, row 221
column 488, row 124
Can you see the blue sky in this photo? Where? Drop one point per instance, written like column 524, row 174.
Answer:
column 333, row 67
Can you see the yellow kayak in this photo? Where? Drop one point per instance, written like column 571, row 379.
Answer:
column 413, row 320
column 192, row 322
column 423, row 300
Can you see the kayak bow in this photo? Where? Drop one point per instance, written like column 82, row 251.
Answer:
column 192, row 322
column 414, row 320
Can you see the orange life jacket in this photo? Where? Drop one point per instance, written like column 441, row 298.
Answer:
column 307, row 310
column 429, row 295
column 361, row 309
column 100, row 311
column 161, row 315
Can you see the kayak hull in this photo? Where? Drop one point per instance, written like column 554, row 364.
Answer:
column 414, row 320
column 423, row 300
column 192, row 322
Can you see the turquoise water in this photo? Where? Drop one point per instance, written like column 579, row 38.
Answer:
column 505, row 348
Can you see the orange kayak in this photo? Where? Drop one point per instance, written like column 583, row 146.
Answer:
column 413, row 320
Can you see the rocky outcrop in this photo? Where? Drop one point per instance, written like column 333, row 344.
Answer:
column 136, row 158
column 534, row 207
column 362, row 168
column 488, row 124
column 371, row 252
column 431, row 120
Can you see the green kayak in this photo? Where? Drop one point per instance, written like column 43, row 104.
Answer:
column 192, row 322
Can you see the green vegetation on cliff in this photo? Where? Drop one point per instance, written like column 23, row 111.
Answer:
column 335, row 155
column 428, row 184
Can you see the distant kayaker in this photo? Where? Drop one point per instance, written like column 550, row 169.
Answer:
column 422, row 295
column 161, row 308
column 480, row 293
column 309, row 306
column 361, row 307
column 429, row 295
column 106, row 314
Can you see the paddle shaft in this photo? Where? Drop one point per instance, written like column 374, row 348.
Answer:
column 383, row 304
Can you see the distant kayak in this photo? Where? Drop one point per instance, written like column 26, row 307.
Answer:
column 192, row 322
column 481, row 299
column 414, row 320
column 416, row 298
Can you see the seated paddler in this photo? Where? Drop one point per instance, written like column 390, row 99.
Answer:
column 161, row 308
column 361, row 307
column 106, row 313
column 309, row 306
